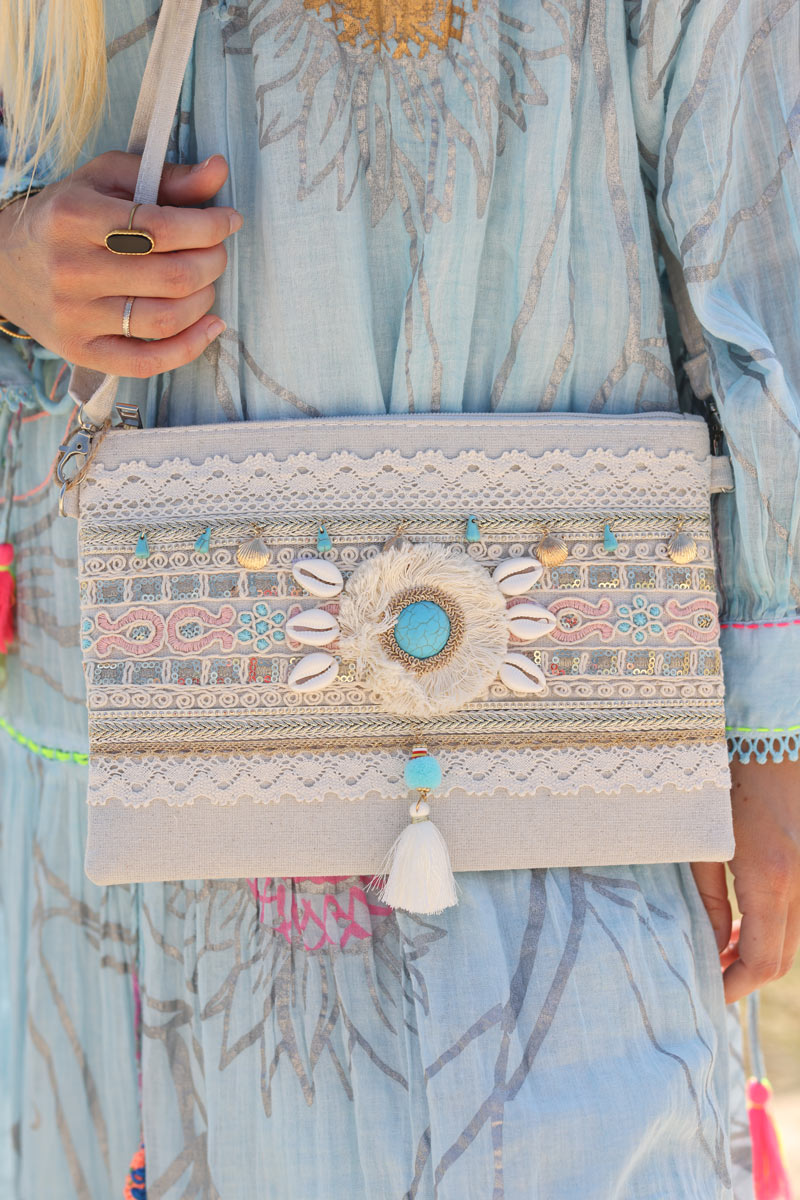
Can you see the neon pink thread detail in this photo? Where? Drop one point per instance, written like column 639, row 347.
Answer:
column 188, row 612
column 759, row 624
column 117, row 639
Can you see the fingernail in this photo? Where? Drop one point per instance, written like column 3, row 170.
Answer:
column 237, row 221
column 214, row 328
column 201, row 166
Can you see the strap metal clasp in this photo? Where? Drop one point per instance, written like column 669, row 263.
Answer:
column 130, row 416
column 81, row 444
column 76, row 450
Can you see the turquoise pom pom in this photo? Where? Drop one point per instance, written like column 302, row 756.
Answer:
column 423, row 773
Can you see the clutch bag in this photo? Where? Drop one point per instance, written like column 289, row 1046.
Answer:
column 403, row 645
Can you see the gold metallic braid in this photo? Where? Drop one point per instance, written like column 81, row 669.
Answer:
column 114, row 748
column 592, row 725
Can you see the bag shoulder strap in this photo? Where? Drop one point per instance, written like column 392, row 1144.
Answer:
column 152, row 122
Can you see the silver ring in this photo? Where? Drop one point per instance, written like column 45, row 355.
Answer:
column 126, row 317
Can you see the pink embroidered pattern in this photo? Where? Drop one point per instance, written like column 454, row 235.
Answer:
column 570, row 628
column 697, row 620
column 185, row 633
column 318, row 919
column 145, row 632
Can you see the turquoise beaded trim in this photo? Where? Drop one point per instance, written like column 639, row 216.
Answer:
column 49, row 752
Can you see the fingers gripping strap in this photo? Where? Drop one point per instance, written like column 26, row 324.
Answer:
column 152, row 122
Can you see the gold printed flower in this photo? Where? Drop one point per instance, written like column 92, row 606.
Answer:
column 392, row 26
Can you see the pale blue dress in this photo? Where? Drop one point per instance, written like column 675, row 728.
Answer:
column 448, row 206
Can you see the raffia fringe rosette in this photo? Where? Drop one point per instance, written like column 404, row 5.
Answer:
column 366, row 614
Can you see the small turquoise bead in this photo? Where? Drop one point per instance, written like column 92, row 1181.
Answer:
column 324, row 542
column 203, row 543
column 473, row 533
column 423, row 772
column 610, row 543
column 142, row 548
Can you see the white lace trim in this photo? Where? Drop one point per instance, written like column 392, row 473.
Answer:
column 269, row 779
column 426, row 482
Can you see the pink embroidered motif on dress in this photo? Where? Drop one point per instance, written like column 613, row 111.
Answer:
column 320, row 919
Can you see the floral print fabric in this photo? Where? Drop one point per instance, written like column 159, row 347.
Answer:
column 450, row 210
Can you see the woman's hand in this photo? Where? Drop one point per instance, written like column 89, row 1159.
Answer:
column 766, row 870
column 60, row 283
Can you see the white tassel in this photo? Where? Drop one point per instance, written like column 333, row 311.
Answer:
column 420, row 878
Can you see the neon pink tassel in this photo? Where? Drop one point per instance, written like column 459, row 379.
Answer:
column 7, row 596
column 770, row 1180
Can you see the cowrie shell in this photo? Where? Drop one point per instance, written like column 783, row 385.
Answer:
column 521, row 675
column 314, row 672
column 515, row 576
column 319, row 577
column 314, row 627
column 527, row 622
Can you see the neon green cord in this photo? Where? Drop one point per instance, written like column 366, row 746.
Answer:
column 72, row 756
column 761, row 729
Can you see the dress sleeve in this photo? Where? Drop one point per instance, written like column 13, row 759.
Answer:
column 716, row 93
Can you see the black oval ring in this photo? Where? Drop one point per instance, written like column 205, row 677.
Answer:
column 129, row 241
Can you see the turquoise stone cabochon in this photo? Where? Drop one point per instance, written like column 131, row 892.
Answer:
column 422, row 629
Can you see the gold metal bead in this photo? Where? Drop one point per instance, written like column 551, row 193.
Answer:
column 397, row 539
column 253, row 555
column 682, row 548
column 552, row 550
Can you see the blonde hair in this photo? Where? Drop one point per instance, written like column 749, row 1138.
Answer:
column 53, row 79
